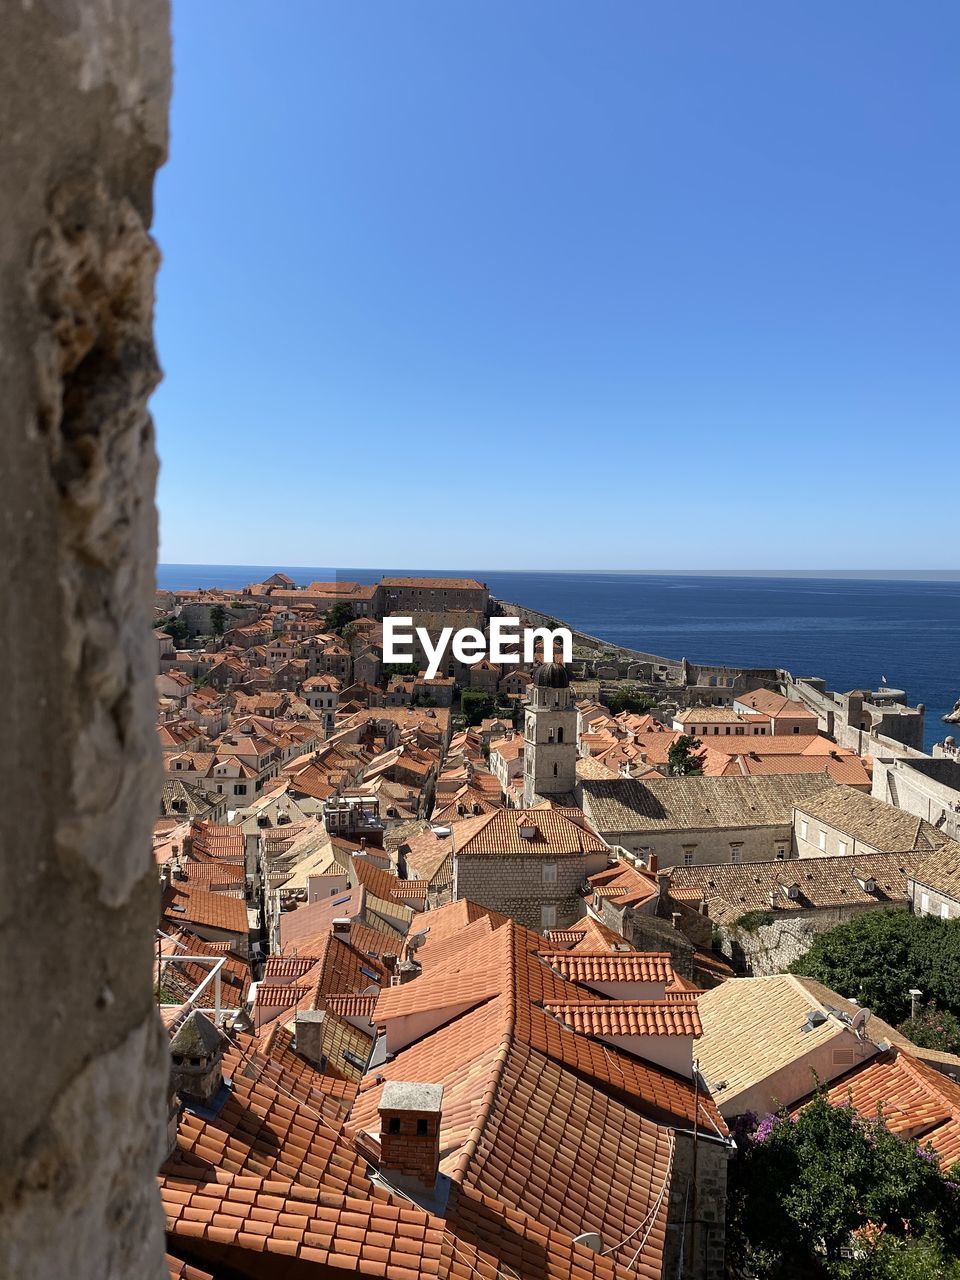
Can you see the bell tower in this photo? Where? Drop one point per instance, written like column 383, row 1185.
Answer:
column 549, row 735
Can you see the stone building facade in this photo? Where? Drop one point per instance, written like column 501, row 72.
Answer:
column 549, row 735
column 530, row 864
column 540, row 894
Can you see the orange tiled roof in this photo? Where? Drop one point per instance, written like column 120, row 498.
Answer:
column 555, row 833
column 624, row 883
column 611, row 966
column 769, row 703
column 500, row 1100
column 542, row 1141
column 589, row 934
column 180, row 1270
column 184, row 905
column 500, row 978
column 287, row 966
column 264, row 1129
column 676, row 1017
column 220, row 874
column 352, row 1006
column 915, row 1100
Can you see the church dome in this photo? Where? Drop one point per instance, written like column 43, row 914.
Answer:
column 552, row 675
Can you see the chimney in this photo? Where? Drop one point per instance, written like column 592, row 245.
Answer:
column 410, row 1131
column 406, row 972
column 389, row 962
column 341, row 928
column 653, row 862
column 196, row 1054
column 308, row 1029
column 675, row 919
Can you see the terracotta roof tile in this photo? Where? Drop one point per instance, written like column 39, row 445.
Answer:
column 183, row 904
column 498, row 834
column 610, row 966
column 914, row 1100
column 676, row 1017
column 872, row 821
column 180, row 1270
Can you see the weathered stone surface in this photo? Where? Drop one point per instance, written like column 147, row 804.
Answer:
column 84, row 90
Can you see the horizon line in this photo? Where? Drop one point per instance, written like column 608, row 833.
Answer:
column 887, row 574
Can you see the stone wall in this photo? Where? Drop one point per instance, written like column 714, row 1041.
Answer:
column 696, row 1222
column 83, row 105
column 773, row 947
column 753, row 844
column 929, row 788
column 515, row 886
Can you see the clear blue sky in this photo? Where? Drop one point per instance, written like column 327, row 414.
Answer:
column 561, row 284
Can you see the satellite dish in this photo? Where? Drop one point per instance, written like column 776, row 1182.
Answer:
column 860, row 1019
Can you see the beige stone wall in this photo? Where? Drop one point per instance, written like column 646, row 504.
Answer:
column 756, row 844
column 515, row 886
column 773, row 947
column 83, row 106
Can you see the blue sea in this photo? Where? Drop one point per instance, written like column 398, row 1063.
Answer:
column 853, row 631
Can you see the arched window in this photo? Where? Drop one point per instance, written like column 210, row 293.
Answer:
column 554, row 770
column 560, row 735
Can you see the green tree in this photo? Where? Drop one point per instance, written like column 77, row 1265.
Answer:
column 177, row 630
column 934, row 1028
column 476, row 705
column 804, row 1192
column 339, row 616
column 629, row 698
column 218, row 619
column 682, row 758
column 879, row 955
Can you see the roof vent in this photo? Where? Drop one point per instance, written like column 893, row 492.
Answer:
column 815, row 1018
